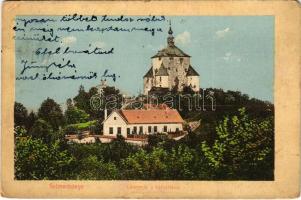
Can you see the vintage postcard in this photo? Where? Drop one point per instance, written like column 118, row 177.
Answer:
column 151, row 99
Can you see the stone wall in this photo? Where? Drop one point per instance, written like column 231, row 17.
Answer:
column 177, row 68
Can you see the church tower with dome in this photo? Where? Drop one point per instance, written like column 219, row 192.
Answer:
column 171, row 70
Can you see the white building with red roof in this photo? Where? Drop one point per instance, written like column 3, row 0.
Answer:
column 149, row 120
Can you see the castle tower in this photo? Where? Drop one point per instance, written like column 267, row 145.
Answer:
column 171, row 69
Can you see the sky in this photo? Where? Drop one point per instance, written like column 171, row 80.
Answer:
column 229, row 52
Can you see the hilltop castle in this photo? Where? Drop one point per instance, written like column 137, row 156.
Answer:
column 171, row 69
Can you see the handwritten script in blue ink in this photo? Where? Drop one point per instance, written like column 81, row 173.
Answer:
column 74, row 46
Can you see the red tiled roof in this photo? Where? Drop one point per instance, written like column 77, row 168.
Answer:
column 154, row 106
column 152, row 116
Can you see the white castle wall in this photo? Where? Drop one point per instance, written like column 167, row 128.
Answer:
column 194, row 81
column 147, row 84
column 156, row 62
column 177, row 68
column 161, row 81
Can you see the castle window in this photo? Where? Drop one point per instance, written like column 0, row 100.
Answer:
column 165, row 129
column 128, row 131
column 181, row 60
column 160, row 79
column 114, row 118
column 111, row 130
column 159, row 58
column 149, row 129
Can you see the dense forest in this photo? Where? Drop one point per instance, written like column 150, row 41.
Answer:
column 235, row 141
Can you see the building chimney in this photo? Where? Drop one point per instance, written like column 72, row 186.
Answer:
column 105, row 114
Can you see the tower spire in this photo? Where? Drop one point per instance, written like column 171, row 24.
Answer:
column 170, row 32
column 170, row 39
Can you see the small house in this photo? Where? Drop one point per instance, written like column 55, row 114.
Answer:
column 146, row 121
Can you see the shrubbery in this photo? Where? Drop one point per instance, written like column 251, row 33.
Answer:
column 235, row 142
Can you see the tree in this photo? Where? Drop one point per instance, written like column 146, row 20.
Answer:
column 91, row 168
column 69, row 103
column 155, row 139
column 82, row 100
column 93, row 91
column 180, row 163
column 112, row 98
column 20, row 114
column 41, row 130
column 35, row 160
column 118, row 149
column 98, row 127
column 94, row 112
column 188, row 90
column 243, row 150
column 20, row 131
column 160, row 164
column 32, row 117
column 146, row 166
column 52, row 113
column 192, row 140
column 160, row 140
column 74, row 115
